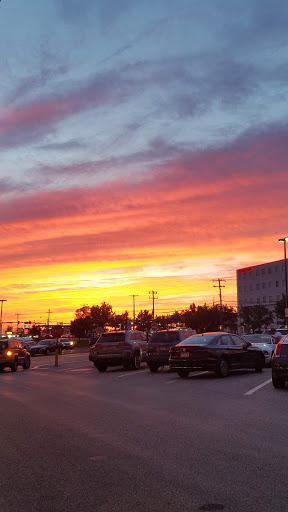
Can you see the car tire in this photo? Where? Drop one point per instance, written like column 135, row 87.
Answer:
column 153, row 368
column 223, row 368
column 259, row 365
column 278, row 383
column 101, row 367
column 136, row 363
column 14, row 366
column 183, row 373
column 26, row 364
column 1, row 369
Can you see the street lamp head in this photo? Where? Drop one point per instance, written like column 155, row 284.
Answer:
column 283, row 239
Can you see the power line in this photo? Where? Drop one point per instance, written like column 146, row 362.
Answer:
column 153, row 293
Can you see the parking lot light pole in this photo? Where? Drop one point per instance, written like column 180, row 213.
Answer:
column 286, row 284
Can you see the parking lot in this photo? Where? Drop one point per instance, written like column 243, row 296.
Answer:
column 133, row 440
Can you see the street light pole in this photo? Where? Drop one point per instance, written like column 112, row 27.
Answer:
column 1, row 300
column 284, row 239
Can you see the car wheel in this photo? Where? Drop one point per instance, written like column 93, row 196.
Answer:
column 26, row 364
column 183, row 373
column 136, row 361
column 278, row 383
column 1, row 369
column 259, row 365
column 153, row 368
column 101, row 367
column 14, row 366
column 223, row 369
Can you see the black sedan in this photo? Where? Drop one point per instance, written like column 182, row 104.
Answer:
column 46, row 346
column 219, row 352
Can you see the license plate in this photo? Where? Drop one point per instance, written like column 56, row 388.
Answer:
column 184, row 354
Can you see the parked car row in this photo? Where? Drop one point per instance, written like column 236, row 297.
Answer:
column 219, row 352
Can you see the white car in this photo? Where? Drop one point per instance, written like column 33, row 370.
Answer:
column 263, row 341
column 68, row 343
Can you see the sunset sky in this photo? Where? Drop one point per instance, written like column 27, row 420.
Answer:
column 143, row 147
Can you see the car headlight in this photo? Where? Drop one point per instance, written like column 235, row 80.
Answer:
column 71, row 343
column 9, row 353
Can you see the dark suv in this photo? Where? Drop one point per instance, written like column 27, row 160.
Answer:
column 280, row 364
column 160, row 344
column 12, row 354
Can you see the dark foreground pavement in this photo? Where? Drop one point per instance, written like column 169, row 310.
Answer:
column 73, row 439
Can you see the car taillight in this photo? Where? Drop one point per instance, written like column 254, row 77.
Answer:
column 123, row 344
column 277, row 351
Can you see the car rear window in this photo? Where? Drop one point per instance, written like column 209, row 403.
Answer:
column 164, row 337
column 199, row 339
column 284, row 349
column 112, row 337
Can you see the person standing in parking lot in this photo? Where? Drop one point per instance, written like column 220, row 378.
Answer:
column 275, row 335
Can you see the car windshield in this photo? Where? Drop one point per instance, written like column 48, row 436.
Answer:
column 3, row 344
column 164, row 337
column 43, row 342
column 112, row 336
column 257, row 338
column 199, row 339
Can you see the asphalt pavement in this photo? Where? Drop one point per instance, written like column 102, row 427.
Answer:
column 74, row 439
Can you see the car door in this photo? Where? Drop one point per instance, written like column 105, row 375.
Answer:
column 228, row 349
column 243, row 356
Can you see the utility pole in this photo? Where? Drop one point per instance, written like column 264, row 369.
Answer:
column 48, row 320
column 1, row 300
column 153, row 293
column 133, row 310
column 17, row 314
column 219, row 285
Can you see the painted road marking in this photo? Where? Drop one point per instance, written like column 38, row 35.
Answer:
column 132, row 373
column 253, row 390
column 179, row 379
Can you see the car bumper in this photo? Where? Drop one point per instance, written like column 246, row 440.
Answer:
column 111, row 359
column 160, row 359
column 190, row 364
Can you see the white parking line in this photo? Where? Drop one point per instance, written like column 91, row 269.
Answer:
column 132, row 373
column 253, row 390
column 181, row 379
column 81, row 370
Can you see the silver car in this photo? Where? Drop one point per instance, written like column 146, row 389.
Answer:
column 263, row 341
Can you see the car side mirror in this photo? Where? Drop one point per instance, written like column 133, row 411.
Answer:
column 248, row 344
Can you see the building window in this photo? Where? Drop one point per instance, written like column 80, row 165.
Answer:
column 270, row 298
column 257, row 286
column 277, row 284
column 263, row 271
column 264, row 300
column 263, row 285
column 269, row 270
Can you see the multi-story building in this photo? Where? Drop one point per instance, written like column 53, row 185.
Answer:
column 261, row 284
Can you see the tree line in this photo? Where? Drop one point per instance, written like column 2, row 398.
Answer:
column 200, row 318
